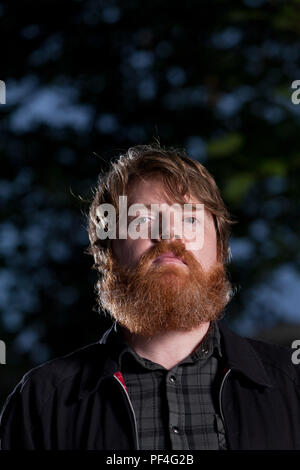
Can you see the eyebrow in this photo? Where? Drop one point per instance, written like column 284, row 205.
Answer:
column 194, row 205
column 148, row 206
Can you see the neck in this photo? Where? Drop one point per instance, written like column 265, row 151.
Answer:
column 167, row 348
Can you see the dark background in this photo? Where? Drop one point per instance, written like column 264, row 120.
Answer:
column 87, row 79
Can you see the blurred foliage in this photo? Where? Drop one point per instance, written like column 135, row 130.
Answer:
column 87, row 79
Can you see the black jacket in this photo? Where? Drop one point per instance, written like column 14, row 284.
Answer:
column 79, row 401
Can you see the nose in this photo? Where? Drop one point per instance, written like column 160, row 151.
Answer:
column 168, row 231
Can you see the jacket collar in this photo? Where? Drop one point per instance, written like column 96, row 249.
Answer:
column 97, row 367
column 239, row 356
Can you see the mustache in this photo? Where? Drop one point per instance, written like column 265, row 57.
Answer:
column 177, row 248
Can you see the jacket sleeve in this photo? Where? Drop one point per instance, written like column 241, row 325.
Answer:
column 19, row 419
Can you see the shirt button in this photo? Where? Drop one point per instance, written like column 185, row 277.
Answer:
column 205, row 350
column 172, row 379
column 175, row 430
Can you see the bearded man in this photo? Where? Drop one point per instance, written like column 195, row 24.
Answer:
column 168, row 374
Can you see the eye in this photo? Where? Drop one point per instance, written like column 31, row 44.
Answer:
column 194, row 218
column 141, row 220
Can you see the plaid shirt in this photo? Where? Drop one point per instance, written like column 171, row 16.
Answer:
column 177, row 408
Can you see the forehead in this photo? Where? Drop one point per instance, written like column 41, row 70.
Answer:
column 147, row 190
column 150, row 190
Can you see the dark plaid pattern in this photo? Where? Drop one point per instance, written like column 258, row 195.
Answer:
column 175, row 409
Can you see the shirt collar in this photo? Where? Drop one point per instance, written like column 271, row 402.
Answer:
column 210, row 344
column 238, row 353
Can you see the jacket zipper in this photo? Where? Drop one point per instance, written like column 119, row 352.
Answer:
column 134, row 417
column 220, row 400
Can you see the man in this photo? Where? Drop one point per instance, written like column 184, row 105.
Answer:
column 168, row 374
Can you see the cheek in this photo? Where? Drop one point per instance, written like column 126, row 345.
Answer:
column 211, row 251
column 210, row 242
column 136, row 248
column 129, row 251
column 121, row 250
column 207, row 255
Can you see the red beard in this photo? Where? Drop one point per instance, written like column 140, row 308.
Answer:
column 153, row 298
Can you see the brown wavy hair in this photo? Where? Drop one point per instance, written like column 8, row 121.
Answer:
column 181, row 176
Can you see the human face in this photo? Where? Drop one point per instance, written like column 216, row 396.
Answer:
column 147, row 296
column 150, row 191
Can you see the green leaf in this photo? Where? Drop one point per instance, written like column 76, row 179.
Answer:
column 224, row 146
column 273, row 166
column 237, row 186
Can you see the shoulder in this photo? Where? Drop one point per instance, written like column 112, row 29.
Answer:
column 276, row 358
column 62, row 370
column 42, row 391
column 260, row 359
